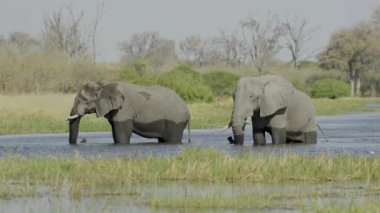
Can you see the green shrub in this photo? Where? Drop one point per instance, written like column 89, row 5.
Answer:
column 136, row 73
column 329, row 88
column 221, row 83
column 187, row 83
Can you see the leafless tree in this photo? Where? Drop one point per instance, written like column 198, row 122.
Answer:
column 297, row 34
column 62, row 31
column 234, row 49
column 98, row 16
column 261, row 40
column 149, row 46
column 375, row 17
column 22, row 41
column 193, row 48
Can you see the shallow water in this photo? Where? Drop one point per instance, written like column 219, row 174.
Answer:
column 354, row 134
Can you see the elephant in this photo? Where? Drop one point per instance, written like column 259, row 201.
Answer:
column 273, row 105
column 151, row 112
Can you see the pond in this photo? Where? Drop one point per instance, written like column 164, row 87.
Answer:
column 354, row 134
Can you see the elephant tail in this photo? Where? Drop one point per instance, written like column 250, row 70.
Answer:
column 323, row 132
column 188, row 130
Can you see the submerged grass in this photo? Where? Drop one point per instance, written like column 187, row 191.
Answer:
column 48, row 112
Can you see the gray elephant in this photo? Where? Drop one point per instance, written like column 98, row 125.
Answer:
column 152, row 112
column 274, row 106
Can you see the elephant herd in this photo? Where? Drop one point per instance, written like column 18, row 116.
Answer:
column 270, row 103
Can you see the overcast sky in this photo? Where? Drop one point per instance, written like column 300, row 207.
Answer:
column 177, row 19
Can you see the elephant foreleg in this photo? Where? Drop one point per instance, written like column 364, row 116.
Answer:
column 258, row 137
column 121, row 131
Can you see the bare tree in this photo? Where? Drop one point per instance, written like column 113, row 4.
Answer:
column 297, row 34
column 375, row 17
column 62, row 31
column 98, row 16
column 234, row 49
column 193, row 49
column 23, row 41
column 149, row 46
column 261, row 40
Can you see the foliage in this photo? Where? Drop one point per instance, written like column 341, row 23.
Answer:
column 187, row 83
column 354, row 50
column 221, row 83
column 330, row 88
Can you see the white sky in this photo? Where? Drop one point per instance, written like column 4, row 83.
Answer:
column 177, row 19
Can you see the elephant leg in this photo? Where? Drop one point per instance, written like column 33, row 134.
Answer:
column 278, row 136
column 174, row 132
column 258, row 137
column 121, row 131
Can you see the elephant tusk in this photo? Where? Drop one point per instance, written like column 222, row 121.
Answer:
column 226, row 127
column 247, row 122
column 72, row 117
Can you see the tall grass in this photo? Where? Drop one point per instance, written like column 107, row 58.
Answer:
column 194, row 165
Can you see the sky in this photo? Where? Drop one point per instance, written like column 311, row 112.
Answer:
column 178, row 19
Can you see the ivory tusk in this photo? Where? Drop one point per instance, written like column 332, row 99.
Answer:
column 72, row 117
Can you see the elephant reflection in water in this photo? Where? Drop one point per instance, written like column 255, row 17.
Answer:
column 274, row 106
column 152, row 112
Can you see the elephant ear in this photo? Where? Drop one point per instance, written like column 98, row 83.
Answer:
column 276, row 95
column 110, row 98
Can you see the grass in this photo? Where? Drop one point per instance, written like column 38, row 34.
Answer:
column 47, row 113
column 117, row 177
column 216, row 167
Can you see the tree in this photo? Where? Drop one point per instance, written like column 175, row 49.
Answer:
column 65, row 31
column 261, row 41
column 297, row 34
column 234, row 49
column 354, row 50
column 22, row 41
column 375, row 17
column 148, row 46
column 193, row 49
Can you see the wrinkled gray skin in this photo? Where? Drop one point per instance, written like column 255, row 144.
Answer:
column 274, row 106
column 152, row 112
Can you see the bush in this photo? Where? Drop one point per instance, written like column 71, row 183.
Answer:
column 136, row 73
column 330, row 88
column 221, row 83
column 27, row 71
column 187, row 83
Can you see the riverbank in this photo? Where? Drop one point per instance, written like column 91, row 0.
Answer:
column 47, row 113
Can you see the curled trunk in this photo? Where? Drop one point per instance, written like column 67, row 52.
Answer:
column 74, row 129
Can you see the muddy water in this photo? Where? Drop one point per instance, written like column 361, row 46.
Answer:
column 355, row 134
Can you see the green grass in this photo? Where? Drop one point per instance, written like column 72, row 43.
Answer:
column 216, row 167
column 78, row 177
column 47, row 113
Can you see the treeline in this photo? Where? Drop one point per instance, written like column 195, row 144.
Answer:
column 64, row 56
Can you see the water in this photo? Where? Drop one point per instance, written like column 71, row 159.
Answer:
column 355, row 134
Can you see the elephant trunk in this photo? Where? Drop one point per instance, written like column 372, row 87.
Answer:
column 238, row 125
column 74, row 129
column 74, row 121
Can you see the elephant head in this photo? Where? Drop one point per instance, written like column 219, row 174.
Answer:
column 93, row 97
column 263, row 95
